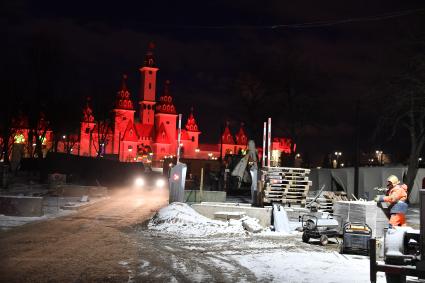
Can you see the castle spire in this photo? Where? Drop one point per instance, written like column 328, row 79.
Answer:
column 165, row 104
column 226, row 137
column 123, row 100
column 149, row 58
column 191, row 125
column 241, row 137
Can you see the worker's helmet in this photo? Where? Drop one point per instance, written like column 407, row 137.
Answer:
column 393, row 179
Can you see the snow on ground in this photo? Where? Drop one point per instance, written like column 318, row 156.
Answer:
column 8, row 222
column 198, row 249
column 51, row 208
column 281, row 266
column 181, row 219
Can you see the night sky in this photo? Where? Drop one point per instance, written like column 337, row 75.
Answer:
column 56, row 53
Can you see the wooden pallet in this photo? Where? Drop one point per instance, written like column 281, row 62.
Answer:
column 286, row 185
column 286, row 170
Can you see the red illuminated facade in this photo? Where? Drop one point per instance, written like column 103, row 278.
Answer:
column 146, row 135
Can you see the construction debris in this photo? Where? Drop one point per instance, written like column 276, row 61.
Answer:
column 326, row 200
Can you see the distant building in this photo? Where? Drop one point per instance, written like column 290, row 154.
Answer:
column 147, row 135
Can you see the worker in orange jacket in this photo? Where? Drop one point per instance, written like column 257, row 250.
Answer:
column 396, row 197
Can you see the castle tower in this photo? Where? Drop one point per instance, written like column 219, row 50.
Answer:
column 123, row 113
column 227, row 142
column 241, row 139
column 87, row 126
column 148, row 86
column 193, row 135
column 165, row 122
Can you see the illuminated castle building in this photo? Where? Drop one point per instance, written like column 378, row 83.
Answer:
column 149, row 134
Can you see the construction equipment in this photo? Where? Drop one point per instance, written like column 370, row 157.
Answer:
column 404, row 251
column 356, row 238
column 319, row 228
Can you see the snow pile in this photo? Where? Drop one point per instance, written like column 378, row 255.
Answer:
column 179, row 218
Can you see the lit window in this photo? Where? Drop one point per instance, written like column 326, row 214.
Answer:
column 19, row 138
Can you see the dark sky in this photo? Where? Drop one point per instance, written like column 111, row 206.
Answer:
column 74, row 49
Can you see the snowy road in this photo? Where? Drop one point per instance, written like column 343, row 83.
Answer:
column 92, row 245
column 107, row 242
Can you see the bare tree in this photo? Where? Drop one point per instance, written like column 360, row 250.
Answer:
column 252, row 102
column 404, row 108
column 101, row 136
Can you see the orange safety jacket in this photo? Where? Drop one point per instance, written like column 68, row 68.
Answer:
column 397, row 197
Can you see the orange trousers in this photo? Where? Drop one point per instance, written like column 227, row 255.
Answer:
column 398, row 219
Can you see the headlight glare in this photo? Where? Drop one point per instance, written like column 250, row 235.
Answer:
column 139, row 182
column 160, row 183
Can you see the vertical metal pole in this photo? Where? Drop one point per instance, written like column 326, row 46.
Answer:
column 201, row 185
column 178, row 138
column 422, row 221
column 357, row 151
column 372, row 259
column 269, row 137
column 263, row 162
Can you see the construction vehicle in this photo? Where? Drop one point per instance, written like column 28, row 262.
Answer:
column 404, row 251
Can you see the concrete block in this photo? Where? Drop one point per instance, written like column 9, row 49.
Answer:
column 226, row 215
column 79, row 191
column 209, row 196
column 56, row 179
column 295, row 213
column 251, row 225
column 21, row 206
column 84, row 199
column 262, row 214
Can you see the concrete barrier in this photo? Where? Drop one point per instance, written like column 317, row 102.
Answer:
column 54, row 180
column 78, row 191
column 209, row 196
column 295, row 213
column 21, row 206
column 209, row 209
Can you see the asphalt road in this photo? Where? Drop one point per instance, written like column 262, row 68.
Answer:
column 93, row 245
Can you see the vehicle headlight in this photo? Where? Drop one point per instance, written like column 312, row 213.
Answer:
column 160, row 183
column 139, row 182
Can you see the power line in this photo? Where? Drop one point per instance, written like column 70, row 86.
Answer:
column 313, row 24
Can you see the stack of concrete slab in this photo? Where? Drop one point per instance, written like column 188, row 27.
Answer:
column 363, row 212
